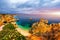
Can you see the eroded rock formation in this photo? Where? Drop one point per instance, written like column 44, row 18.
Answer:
column 46, row 31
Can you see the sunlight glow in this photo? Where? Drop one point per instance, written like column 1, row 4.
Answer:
column 56, row 13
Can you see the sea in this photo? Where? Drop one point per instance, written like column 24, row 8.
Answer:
column 25, row 22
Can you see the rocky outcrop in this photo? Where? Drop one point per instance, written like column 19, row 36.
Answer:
column 6, row 18
column 45, row 30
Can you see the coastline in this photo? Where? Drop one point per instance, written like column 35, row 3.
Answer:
column 23, row 27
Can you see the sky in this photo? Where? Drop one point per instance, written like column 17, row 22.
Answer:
column 29, row 6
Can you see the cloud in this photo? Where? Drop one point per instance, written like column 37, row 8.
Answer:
column 18, row 6
column 55, row 1
column 51, row 3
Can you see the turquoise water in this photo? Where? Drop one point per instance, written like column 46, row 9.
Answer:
column 26, row 27
column 23, row 23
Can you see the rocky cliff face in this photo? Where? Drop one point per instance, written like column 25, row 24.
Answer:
column 6, row 18
column 45, row 30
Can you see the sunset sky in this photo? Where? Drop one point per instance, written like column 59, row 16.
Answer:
column 30, row 6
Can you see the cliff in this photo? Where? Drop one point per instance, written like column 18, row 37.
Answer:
column 45, row 30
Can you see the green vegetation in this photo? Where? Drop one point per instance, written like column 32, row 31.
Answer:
column 9, row 33
column 9, row 26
